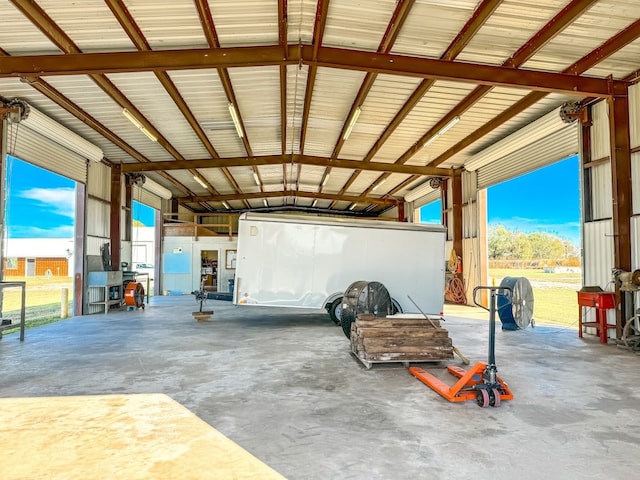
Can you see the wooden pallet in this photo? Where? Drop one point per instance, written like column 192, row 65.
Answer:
column 400, row 340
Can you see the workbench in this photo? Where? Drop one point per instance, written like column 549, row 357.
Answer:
column 145, row 436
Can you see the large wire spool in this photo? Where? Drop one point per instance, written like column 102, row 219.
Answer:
column 364, row 297
column 134, row 295
column 516, row 310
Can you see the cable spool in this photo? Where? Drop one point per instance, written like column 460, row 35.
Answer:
column 516, row 310
column 364, row 297
column 134, row 295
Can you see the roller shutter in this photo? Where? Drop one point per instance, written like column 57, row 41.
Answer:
column 543, row 152
column 28, row 145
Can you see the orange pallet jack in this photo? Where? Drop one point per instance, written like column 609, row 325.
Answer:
column 481, row 382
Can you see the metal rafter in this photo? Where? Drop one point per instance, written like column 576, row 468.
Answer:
column 58, row 37
column 477, row 20
column 399, row 16
column 128, row 24
column 318, row 31
column 341, row 58
column 282, row 41
column 552, row 28
column 280, row 159
column 209, row 28
column 57, row 97
column 292, row 193
column 608, row 48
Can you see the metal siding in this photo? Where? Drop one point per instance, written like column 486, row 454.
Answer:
column 296, row 87
column 253, row 22
column 634, row 115
column 348, row 26
column 601, row 191
column 438, row 101
column 257, row 90
column 513, row 23
column 30, row 146
column 635, row 242
column 635, row 183
column 541, row 153
column 97, row 221
column 387, row 95
column 83, row 20
column 470, row 219
column 333, row 94
column 600, row 146
column 432, row 25
column 168, row 24
column 598, row 253
column 99, row 180
column 81, row 90
column 600, row 22
column 20, row 37
column 146, row 92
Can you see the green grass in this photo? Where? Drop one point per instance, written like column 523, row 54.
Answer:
column 554, row 294
column 42, row 301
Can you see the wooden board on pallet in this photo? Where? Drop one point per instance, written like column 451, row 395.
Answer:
column 393, row 339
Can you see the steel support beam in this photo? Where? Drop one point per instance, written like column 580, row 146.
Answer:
column 291, row 193
column 621, row 190
column 282, row 159
column 114, row 216
column 342, row 58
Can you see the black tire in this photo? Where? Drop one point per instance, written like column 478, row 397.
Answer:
column 335, row 310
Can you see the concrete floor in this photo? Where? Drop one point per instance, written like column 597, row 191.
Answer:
column 282, row 384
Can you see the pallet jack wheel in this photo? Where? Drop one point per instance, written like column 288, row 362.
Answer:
column 496, row 398
column 482, row 398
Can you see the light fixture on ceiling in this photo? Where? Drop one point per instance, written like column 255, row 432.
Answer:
column 256, row 178
column 49, row 128
column 264, row 200
column 442, row 131
column 236, row 119
column 379, row 184
column 326, row 179
column 226, row 205
column 352, row 122
column 200, row 181
column 352, row 206
column 314, row 203
column 139, row 124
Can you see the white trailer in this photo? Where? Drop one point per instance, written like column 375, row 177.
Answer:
column 308, row 262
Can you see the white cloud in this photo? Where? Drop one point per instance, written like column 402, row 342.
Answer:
column 58, row 201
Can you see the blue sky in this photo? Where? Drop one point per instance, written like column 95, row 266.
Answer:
column 42, row 204
column 546, row 200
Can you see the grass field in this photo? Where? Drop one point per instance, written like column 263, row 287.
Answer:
column 42, row 300
column 554, row 294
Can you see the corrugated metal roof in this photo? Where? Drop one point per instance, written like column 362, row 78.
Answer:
column 428, row 30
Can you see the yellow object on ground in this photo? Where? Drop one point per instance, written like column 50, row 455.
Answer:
column 146, row 436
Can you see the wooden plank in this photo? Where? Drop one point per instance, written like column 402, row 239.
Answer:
column 395, row 323
column 407, row 357
column 410, row 349
column 392, row 344
column 402, row 332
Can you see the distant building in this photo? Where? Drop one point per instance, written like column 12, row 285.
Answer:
column 38, row 257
